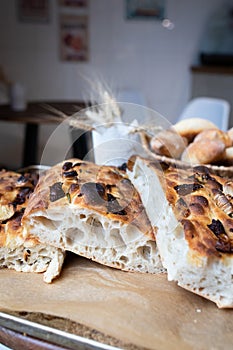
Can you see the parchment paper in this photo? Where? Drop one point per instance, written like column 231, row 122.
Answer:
column 142, row 309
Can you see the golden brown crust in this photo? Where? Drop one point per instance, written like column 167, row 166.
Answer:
column 204, row 152
column 230, row 134
column 191, row 127
column 168, row 143
column 15, row 190
column 214, row 135
column 203, row 204
column 207, row 210
column 103, row 189
column 228, row 156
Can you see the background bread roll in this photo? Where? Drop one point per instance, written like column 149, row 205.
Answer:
column 195, row 236
column 215, row 135
column 228, row 156
column 204, row 152
column 189, row 128
column 230, row 134
column 168, row 143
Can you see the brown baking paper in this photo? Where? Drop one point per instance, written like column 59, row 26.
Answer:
column 142, row 309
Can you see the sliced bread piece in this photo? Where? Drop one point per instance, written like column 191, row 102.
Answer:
column 193, row 211
column 93, row 211
column 25, row 254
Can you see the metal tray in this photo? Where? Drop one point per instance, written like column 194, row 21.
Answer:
column 50, row 335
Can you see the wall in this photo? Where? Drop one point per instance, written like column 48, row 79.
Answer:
column 214, row 85
column 126, row 54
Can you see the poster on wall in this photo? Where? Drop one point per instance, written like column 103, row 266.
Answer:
column 145, row 9
column 33, row 10
column 74, row 3
column 74, row 37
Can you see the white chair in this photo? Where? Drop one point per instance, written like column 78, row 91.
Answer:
column 214, row 109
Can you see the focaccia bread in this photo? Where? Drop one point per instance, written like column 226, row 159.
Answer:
column 193, row 212
column 17, row 252
column 93, row 211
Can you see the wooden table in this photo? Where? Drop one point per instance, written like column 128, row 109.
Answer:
column 211, row 69
column 37, row 114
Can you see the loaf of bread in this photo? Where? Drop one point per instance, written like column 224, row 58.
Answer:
column 204, row 152
column 192, row 210
column 168, row 143
column 214, row 135
column 228, row 156
column 191, row 127
column 194, row 141
column 20, row 250
column 230, row 134
column 93, row 211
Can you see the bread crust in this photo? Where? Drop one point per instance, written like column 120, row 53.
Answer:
column 214, row 135
column 195, row 236
column 168, row 143
column 191, row 127
column 103, row 189
column 94, row 211
column 199, row 201
column 228, row 156
column 204, row 152
column 15, row 190
column 19, row 249
column 230, row 134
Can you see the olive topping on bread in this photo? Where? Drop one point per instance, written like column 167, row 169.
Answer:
column 192, row 209
column 96, row 212
column 19, row 249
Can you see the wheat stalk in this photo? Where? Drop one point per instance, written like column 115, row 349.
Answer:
column 79, row 123
column 104, row 111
